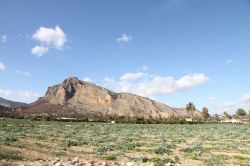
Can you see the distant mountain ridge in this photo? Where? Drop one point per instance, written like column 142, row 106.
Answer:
column 10, row 104
column 76, row 98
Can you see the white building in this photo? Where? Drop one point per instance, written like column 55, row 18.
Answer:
column 233, row 120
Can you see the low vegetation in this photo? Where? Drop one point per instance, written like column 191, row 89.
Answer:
column 205, row 144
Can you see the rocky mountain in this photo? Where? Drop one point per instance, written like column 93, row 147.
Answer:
column 11, row 104
column 76, row 98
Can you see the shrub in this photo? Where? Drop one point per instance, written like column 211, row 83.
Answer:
column 196, row 149
column 72, row 143
column 145, row 159
column 58, row 153
column 10, row 138
column 112, row 157
column 10, row 155
column 104, row 149
column 177, row 159
column 160, row 162
column 163, row 149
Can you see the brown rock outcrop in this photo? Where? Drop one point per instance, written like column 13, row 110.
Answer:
column 75, row 97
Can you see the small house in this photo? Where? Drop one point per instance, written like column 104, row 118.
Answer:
column 189, row 119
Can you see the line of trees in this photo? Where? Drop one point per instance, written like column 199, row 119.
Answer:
column 190, row 107
column 240, row 112
column 207, row 117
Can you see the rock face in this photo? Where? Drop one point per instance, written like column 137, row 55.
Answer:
column 75, row 97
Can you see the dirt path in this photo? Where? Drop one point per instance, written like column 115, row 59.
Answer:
column 184, row 161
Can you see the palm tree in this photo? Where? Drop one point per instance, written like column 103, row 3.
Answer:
column 190, row 108
column 227, row 115
column 205, row 113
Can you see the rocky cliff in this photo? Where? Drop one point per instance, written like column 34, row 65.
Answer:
column 74, row 97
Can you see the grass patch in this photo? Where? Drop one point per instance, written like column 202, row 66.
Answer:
column 161, row 162
column 241, row 158
column 195, row 150
column 164, row 149
column 111, row 158
column 10, row 155
column 58, row 153
column 9, row 139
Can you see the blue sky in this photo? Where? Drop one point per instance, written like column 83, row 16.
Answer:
column 173, row 51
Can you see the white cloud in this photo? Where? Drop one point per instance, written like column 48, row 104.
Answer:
column 26, row 95
column 132, row 76
column 109, row 79
column 210, row 99
column 2, row 67
column 229, row 61
column 48, row 38
column 191, row 80
column 4, row 38
column 22, row 73
column 229, row 106
column 5, row 93
column 39, row 50
column 20, row 95
column 52, row 37
column 233, row 105
column 124, row 38
column 148, row 85
column 245, row 98
column 87, row 79
column 145, row 68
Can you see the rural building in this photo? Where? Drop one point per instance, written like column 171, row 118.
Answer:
column 66, row 118
column 236, row 120
column 189, row 119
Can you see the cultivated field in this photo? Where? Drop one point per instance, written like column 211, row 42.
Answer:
column 24, row 141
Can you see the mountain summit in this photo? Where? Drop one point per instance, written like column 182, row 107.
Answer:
column 74, row 97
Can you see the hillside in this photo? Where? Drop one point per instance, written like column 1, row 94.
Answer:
column 9, row 103
column 76, row 98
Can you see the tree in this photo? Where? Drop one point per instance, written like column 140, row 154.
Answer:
column 205, row 113
column 190, row 108
column 227, row 115
column 216, row 117
column 241, row 112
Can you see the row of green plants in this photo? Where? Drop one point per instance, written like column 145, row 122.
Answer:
column 111, row 142
column 121, row 119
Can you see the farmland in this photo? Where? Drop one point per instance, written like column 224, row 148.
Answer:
column 180, row 144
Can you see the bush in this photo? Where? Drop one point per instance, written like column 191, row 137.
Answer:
column 10, row 138
column 104, row 149
column 10, row 155
column 196, row 150
column 164, row 149
column 71, row 143
column 58, row 153
column 159, row 162
column 112, row 157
